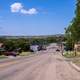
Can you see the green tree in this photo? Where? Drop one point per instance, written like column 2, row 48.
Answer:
column 73, row 31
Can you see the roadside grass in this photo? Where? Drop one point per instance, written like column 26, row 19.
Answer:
column 2, row 57
column 25, row 53
column 77, row 62
column 21, row 54
column 69, row 54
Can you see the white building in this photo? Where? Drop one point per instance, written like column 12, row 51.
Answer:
column 34, row 48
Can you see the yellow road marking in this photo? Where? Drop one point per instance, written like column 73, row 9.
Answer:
column 2, row 65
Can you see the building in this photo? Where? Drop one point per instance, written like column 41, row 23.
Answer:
column 34, row 48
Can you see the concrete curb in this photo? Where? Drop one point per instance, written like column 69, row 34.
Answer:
column 75, row 66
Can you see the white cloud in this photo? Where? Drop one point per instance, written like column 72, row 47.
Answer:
column 18, row 7
column 30, row 11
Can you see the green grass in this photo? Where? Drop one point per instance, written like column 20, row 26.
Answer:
column 25, row 53
column 71, row 54
column 2, row 57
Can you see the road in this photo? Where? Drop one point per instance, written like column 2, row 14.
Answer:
column 45, row 66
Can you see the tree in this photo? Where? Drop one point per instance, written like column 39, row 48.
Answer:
column 72, row 33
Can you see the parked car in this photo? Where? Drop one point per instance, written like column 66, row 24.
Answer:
column 10, row 53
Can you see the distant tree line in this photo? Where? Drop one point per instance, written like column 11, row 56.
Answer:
column 24, row 44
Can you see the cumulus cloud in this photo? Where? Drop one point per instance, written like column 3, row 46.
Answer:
column 18, row 7
column 30, row 11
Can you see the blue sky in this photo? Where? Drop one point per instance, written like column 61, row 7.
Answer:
column 35, row 17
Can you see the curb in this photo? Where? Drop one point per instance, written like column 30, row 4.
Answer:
column 75, row 66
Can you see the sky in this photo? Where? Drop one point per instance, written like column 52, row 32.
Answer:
column 35, row 17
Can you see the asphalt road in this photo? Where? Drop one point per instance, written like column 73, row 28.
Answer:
column 48, row 65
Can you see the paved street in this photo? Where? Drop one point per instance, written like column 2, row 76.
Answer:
column 46, row 66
